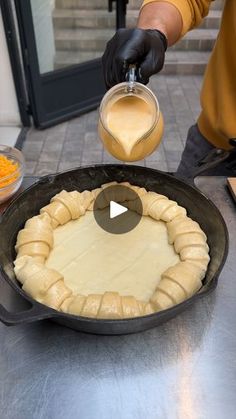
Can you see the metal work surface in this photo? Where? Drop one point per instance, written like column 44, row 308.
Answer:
column 185, row 368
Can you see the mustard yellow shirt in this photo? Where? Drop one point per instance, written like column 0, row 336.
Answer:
column 217, row 121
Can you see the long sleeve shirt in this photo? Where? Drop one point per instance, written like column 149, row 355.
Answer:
column 217, row 121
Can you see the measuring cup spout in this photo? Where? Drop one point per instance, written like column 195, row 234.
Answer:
column 127, row 149
column 130, row 122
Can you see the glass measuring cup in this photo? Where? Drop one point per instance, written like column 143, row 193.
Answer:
column 139, row 134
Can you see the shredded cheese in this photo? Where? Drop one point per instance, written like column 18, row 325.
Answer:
column 7, row 168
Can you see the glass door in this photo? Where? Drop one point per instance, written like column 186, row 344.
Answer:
column 62, row 42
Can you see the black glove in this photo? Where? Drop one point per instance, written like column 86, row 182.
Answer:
column 143, row 47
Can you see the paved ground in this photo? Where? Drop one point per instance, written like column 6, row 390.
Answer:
column 76, row 142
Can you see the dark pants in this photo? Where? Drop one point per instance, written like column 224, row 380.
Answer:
column 197, row 148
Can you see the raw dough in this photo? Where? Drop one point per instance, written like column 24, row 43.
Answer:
column 94, row 261
column 79, row 269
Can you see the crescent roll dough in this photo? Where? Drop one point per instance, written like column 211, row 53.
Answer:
column 109, row 195
column 105, row 306
column 139, row 191
column 201, row 263
column 58, row 212
column 118, row 194
column 182, row 225
column 177, row 283
column 56, row 294
column 130, row 307
column 72, row 202
column 189, row 239
column 47, row 286
column 161, row 301
column 102, row 201
column 149, row 199
column 27, row 236
column 38, row 250
column 44, row 285
column 25, row 267
column 110, row 307
column 35, row 277
column 195, row 252
column 132, row 205
column 172, row 212
column 86, row 198
column 40, row 283
column 164, row 209
column 148, row 309
column 39, row 222
column 36, row 238
column 73, row 305
column 91, row 305
column 159, row 207
column 64, row 207
column 127, row 185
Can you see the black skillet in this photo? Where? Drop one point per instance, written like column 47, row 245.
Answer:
column 199, row 207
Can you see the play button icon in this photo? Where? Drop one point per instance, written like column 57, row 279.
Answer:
column 117, row 209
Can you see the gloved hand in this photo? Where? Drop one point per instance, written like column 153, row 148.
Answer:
column 143, row 47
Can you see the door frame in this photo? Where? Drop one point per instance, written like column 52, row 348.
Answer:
column 43, row 89
column 15, row 60
column 36, row 91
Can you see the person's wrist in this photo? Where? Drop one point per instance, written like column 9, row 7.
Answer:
column 161, row 33
column 163, row 37
column 154, row 25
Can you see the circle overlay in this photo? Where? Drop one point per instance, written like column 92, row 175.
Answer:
column 120, row 223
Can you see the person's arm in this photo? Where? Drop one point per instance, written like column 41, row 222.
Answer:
column 162, row 16
column 167, row 13
column 161, row 23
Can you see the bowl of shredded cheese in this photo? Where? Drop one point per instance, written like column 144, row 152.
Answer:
column 11, row 171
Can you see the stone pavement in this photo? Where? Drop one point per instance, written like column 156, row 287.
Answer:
column 75, row 143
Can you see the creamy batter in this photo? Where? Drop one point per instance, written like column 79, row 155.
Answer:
column 128, row 119
column 94, row 261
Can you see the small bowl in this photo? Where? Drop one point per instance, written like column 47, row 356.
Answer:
column 13, row 181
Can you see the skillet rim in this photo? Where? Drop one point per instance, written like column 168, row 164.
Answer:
column 50, row 313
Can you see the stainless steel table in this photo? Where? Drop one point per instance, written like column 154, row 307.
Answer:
column 183, row 369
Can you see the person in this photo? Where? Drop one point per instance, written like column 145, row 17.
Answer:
column 160, row 25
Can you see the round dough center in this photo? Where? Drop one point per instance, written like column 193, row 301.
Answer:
column 94, row 261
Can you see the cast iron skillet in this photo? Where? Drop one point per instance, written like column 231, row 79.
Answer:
column 28, row 204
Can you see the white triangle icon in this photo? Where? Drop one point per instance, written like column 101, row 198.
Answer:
column 116, row 209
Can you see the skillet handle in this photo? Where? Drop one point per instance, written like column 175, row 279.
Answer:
column 211, row 160
column 35, row 313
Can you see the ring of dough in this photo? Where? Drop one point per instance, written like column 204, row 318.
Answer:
column 47, row 285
